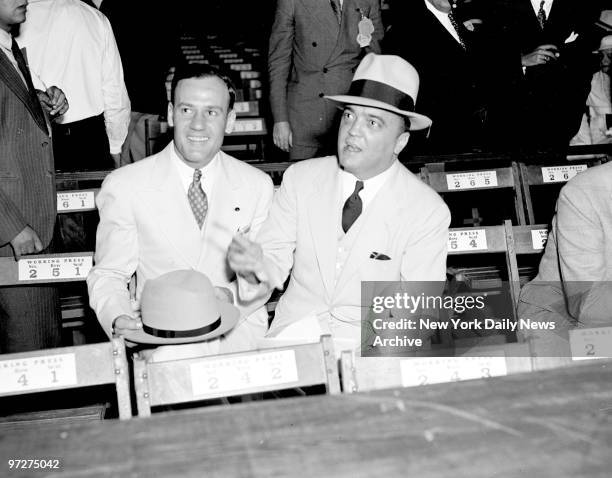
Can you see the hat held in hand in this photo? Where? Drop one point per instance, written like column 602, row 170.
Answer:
column 181, row 307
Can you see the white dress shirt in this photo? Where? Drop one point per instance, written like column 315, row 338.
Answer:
column 444, row 20
column 6, row 42
column 185, row 172
column 370, row 186
column 71, row 45
column 547, row 6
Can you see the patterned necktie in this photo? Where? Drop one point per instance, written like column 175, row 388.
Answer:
column 335, row 4
column 457, row 28
column 542, row 15
column 352, row 207
column 197, row 198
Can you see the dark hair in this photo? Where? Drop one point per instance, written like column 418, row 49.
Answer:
column 198, row 70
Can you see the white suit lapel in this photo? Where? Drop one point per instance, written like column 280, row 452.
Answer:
column 226, row 211
column 324, row 217
column 170, row 209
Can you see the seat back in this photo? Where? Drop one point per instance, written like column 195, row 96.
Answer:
column 361, row 374
column 202, row 378
column 474, row 180
column 68, row 368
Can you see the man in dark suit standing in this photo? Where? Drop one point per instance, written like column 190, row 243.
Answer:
column 431, row 35
column 544, row 68
column 29, row 316
column 315, row 46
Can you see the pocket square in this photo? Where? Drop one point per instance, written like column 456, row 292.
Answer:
column 571, row 38
column 380, row 257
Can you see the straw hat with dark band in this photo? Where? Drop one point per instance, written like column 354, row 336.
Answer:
column 387, row 82
column 181, row 307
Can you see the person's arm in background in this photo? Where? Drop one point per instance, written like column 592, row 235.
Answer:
column 114, row 92
column 280, row 52
column 581, row 244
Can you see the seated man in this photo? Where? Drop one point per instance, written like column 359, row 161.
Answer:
column 572, row 288
column 179, row 209
column 361, row 216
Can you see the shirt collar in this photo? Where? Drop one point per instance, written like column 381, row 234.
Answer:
column 370, row 186
column 6, row 40
column 186, row 172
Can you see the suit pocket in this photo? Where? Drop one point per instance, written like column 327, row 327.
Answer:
column 7, row 175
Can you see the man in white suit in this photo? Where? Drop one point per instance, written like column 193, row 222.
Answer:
column 361, row 216
column 179, row 209
column 573, row 288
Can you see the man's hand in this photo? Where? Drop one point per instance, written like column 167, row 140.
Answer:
column 224, row 294
column 53, row 101
column 245, row 258
column 282, row 135
column 541, row 55
column 26, row 242
column 124, row 323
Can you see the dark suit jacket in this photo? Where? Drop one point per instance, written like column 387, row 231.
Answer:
column 547, row 101
column 452, row 89
column 310, row 55
column 27, row 176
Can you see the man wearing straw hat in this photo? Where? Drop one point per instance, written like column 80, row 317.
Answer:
column 360, row 216
column 594, row 128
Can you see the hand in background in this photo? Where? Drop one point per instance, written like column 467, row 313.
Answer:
column 541, row 55
column 53, row 101
column 282, row 135
column 26, row 242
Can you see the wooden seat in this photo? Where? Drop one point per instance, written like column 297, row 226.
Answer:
column 247, row 136
column 361, row 374
column 552, row 174
column 202, row 378
column 486, row 179
column 69, row 368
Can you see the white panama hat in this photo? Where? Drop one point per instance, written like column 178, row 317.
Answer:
column 387, row 82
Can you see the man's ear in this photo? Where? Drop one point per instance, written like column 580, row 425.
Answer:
column 229, row 123
column 401, row 142
column 170, row 114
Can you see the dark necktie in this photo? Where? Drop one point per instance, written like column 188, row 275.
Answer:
column 352, row 207
column 23, row 68
column 542, row 15
column 335, row 4
column 197, row 198
column 458, row 28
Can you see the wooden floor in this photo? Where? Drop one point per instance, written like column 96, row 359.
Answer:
column 556, row 423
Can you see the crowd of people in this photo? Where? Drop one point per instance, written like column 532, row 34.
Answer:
column 347, row 95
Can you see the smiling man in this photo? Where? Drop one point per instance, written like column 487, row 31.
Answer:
column 179, row 210
column 361, row 216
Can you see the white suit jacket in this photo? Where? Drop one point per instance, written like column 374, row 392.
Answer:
column 147, row 227
column 574, row 282
column 407, row 221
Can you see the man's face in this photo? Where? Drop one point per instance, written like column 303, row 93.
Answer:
column 12, row 12
column 369, row 140
column 606, row 60
column 200, row 118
